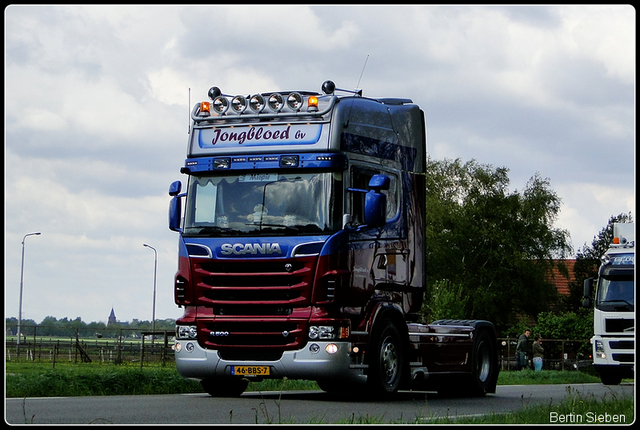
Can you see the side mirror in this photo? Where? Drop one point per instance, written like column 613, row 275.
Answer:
column 375, row 203
column 175, row 188
column 588, row 290
column 175, row 206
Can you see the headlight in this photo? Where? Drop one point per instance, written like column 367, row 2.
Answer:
column 600, row 349
column 186, row 332
column 322, row 332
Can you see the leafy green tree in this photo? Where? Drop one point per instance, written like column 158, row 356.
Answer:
column 496, row 244
column 588, row 261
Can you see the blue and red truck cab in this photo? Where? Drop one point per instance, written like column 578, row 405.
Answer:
column 301, row 249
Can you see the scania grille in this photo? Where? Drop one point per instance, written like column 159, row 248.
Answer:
column 265, row 284
column 258, row 334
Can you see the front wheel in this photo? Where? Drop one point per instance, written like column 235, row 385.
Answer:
column 224, row 387
column 386, row 366
column 610, row 378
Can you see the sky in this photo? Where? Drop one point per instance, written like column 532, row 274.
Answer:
column 97, row 107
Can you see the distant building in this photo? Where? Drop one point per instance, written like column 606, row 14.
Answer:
column 112, row 317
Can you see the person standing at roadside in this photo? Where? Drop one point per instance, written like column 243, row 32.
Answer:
column 538, row 353
column 521, row 350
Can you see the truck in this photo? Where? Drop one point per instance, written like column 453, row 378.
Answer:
column 301, row 249
column 613, row 341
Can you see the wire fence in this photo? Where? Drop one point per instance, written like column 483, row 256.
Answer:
column 135, row 346
column 115, row 346
column 559, row 354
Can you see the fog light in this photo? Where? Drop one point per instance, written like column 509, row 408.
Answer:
column 294, row 101
column 178, row 347
column 314, row 348
column 256, row 103
column 276, row 102
column 238, row 104
column 331, row 348
column 220, row 104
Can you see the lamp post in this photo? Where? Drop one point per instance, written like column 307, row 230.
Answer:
column 155, row 269
column 21, row 283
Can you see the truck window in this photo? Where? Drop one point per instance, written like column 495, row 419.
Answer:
column 263, row 203
column 360, row 177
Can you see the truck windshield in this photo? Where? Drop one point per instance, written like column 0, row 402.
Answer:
column 615, row 293
column 264, row 204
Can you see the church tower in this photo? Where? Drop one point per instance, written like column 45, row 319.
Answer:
column 112, row 318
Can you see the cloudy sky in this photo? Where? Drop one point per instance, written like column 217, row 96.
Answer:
column 96, row 117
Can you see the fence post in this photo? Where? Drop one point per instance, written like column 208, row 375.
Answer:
column 141, row 350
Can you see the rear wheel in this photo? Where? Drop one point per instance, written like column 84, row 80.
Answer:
column 485, row 365
column 386, row 366
column 224, row 387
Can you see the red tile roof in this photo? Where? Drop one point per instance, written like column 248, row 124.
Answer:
column 562, row 282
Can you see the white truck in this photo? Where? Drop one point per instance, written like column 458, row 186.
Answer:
column 614, row 317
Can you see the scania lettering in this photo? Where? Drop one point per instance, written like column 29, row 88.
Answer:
column 613, row 341
column 301, row 249
column 249, row 248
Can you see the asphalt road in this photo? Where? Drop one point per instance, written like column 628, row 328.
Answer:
column 301, row 407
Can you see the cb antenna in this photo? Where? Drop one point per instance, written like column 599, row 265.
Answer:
column 362, row 72
column 358, row 92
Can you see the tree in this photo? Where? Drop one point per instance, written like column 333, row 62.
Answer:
column 497, row 245
column 588, row 261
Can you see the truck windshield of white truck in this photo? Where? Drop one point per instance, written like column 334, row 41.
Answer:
column 263, row 203
column 616, row 292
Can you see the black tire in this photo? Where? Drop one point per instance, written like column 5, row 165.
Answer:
column 386, row 365
column 485, row 365
column 610, row 378
column 224, row 387
column 339, row 388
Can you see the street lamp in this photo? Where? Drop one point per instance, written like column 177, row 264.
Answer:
column 21, row 283
column 155, row 269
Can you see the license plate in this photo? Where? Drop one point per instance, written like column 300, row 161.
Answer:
column 250, row 370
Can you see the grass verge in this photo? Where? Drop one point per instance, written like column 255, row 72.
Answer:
column 28, row 379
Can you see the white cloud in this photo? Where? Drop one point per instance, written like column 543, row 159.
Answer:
column 96, row 116
column 587, row 208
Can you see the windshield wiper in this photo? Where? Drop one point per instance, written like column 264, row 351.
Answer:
column 617, row 301
column 217, row 230
column 296, row 228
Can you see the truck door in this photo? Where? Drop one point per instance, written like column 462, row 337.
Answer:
column 380, row 255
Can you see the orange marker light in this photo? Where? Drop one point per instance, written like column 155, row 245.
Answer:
column 205, row 107
column 313, row 101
